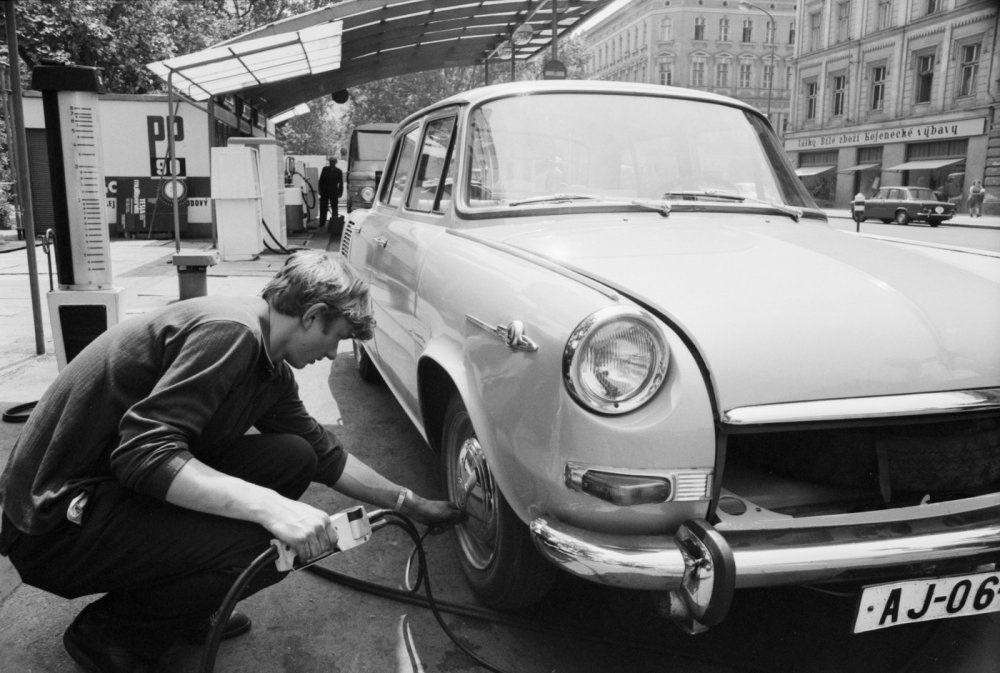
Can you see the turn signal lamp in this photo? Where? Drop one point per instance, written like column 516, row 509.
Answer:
column 625, row 489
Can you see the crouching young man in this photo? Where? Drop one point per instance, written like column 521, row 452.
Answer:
column 135, row 476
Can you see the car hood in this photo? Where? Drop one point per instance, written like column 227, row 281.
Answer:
column 789, row 311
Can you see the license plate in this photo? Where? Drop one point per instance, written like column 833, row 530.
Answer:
column 885, row 605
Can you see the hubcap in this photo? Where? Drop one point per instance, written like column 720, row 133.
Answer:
column 475, row 491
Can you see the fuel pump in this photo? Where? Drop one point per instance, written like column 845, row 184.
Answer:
column 86, row 304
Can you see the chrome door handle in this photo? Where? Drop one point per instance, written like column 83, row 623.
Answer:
column 380, row 241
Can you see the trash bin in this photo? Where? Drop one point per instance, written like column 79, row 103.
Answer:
column 191, row 267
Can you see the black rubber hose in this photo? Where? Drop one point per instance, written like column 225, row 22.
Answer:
column 229, row 603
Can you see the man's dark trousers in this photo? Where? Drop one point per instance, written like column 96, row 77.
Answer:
column 165, row 569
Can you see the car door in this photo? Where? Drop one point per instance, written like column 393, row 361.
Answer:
column 875, row 206
column 416, row 197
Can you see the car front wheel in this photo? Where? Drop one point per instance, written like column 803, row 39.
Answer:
column 494, row 546
column 902, row 217
column 934, row 221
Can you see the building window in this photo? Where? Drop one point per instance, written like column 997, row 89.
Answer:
column 724, row 30
column 722, row 74
column 811, row 100
column 666, row 29
column 788, row 76
column 769, row 32
column 769, row 75
column 843, row 20
column 698, row 72
column 747, row 31
column 884, row 14
column 878, row 87
column 746, row 73
column 839, row 94
column 970, row 69
column 791, row 33
column 699, row 28
column 933, row 6
column 925, row 77
column 815, row 26
column 666, row 73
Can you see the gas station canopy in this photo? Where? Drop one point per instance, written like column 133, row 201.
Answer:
column 349, row 43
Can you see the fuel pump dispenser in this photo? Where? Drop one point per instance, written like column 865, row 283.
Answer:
column 86, row 304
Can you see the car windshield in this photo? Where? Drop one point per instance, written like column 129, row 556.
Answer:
column 531, row 152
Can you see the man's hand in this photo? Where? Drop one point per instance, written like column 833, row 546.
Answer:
column 438, row 513
column 307, row 530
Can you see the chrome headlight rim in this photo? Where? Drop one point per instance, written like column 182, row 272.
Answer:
column 580, row 339
column 367, row 193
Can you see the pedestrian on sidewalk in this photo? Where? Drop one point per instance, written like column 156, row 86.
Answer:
column 135, row 475
column 976, row 199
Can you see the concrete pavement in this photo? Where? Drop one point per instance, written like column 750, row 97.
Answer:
column 32, row 622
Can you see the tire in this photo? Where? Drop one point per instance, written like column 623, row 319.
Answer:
column 902, row 217
column 366, row 368
column 934, row 222
column 494, row 547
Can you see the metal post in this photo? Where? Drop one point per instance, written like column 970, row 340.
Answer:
column 555, row 30
column 23, row 178
column 770, row 85
column 170, row 159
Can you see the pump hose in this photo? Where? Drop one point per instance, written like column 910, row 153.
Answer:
column 270, row 555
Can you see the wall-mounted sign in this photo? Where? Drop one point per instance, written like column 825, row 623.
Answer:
column 896, row 133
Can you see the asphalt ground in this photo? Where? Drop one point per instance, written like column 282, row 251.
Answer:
column 298, row 626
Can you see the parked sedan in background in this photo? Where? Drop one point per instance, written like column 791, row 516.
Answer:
column 903, row 205
column 646, row 359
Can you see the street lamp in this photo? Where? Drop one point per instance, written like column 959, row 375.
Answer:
column 746, row 7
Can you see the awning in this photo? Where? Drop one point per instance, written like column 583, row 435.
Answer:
column 859, row 168
column 925, row 165
column 352, row 42
column 263, row 60
column 805, row 171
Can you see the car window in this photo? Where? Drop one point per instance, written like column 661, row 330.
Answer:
column 921, row 194
column 526, row 149
column 431, row 164
column 405, row 151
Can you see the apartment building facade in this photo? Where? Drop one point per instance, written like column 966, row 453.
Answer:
column 738, row 49
column 896, row 92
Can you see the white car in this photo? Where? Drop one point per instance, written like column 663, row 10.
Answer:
column 647, row 360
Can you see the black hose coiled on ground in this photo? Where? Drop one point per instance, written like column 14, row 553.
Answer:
column 269, row 556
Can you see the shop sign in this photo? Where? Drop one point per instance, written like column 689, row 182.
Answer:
column 901, row 133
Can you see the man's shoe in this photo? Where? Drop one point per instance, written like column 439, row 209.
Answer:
column 87, row 647
column 238, row 624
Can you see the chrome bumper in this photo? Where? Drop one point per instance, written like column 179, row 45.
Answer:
column 778, row 553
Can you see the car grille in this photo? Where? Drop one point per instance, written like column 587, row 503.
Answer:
column 945, row 458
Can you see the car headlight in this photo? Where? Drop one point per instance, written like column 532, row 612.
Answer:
column 367, row 194
column 615, row 360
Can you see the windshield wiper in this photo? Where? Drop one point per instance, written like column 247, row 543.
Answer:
column 704, row 194
column 555, row 198
column 794, row 213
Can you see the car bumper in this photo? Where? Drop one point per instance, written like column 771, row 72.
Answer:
column 784, row 551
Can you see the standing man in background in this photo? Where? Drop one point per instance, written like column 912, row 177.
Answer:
column 331, row 184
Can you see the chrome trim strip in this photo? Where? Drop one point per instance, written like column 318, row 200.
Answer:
column 886, row 406
column 771, row 555
column 512, row 335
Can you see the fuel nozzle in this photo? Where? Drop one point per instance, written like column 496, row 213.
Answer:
column 353, row 526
